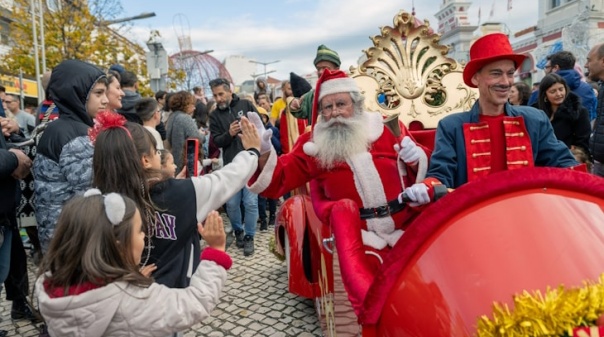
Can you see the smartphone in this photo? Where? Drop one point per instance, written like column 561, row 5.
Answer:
column 192, row 156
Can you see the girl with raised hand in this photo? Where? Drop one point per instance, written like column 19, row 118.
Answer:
column 90, row 283
column 126, row 161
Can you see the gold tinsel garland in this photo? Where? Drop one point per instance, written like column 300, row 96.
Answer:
column 554, row 314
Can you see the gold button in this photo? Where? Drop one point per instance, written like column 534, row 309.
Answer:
column 523, row 148
column 521, row 134
column 525, row 162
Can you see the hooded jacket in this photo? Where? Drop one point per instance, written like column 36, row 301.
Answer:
column 128, row 102
column 63, row 163
column 122, row 309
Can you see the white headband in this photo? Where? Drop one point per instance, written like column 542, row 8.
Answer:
column 115, row 207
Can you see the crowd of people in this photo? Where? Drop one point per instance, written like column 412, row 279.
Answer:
column 116, row 206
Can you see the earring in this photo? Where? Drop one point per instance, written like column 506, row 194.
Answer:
column 545, row 99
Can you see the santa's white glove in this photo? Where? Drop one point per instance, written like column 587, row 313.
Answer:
column 417, row 193
column 408, row 151
column 265, row 135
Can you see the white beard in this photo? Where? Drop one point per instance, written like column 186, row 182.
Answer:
column 339, row 139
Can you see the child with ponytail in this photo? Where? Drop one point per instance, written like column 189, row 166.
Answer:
column 126, row 161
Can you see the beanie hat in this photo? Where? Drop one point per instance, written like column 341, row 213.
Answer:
column 117, row 67
column 300, row 86
column 330, row 82
column 326, row 54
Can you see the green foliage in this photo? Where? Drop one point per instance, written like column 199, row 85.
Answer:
column 74, row 33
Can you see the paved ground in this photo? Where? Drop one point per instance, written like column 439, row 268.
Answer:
column 255, row 302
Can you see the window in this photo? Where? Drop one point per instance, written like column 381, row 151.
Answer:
column 556, row 3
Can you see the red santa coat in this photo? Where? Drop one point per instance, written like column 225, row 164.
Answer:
column 370, row 179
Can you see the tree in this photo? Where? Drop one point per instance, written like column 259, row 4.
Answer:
column 76, row 31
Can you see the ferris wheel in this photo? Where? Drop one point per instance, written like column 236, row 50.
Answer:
column 198, row 67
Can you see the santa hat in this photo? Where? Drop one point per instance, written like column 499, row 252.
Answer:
column 330, row 82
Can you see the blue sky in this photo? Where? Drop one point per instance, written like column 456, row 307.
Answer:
column 291, row 30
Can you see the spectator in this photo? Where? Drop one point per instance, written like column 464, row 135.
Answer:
column 563, row 64
column 92, row 267
column 181, row 126
column 595, row 67
column 129, row 84
column 14, row 165
column 115, row 94
column 147, row 110
column 569, row 118
column 63, row 164
column 519, row 94
column 263, row 202
column 26, row 121
column 224, row 130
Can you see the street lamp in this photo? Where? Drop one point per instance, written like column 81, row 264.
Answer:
column 264, row 64
column 145, row 15
column 266, row 73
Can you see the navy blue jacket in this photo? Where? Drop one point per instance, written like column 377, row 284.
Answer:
column 448, row 162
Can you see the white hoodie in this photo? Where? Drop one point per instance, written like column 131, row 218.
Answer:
column 122, row 309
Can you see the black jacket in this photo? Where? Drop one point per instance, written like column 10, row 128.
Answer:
column 596, row 142
column 571, row 123
column 8, row 184
column 220, row 121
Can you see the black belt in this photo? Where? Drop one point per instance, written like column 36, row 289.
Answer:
column 392, row 207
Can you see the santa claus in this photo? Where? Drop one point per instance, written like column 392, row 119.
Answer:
column 357, row 170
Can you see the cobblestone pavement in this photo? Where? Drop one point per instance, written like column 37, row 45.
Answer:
column 255, row 301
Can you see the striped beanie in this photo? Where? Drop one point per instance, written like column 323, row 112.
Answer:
column 326, row 54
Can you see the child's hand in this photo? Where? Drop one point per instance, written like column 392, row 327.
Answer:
column 148, row 270
column 213, row 231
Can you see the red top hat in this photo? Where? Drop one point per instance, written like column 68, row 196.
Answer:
column 487, row 49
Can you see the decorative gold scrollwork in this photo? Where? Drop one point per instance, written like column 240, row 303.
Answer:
column 407, row 72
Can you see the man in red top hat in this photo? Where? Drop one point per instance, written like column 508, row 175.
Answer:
column 357, row 170
column 494, row 135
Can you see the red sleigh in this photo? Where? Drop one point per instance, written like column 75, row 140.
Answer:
column 482, row 243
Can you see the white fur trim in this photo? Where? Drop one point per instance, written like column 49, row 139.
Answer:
column 393, row 237
column 371, row 239
column 265, row 177
column 337, row 85
column 310, row 148
column 375, row 127
column 371, row 190
column 422, row 167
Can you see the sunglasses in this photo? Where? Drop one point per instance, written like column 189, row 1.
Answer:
column 219, row 81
